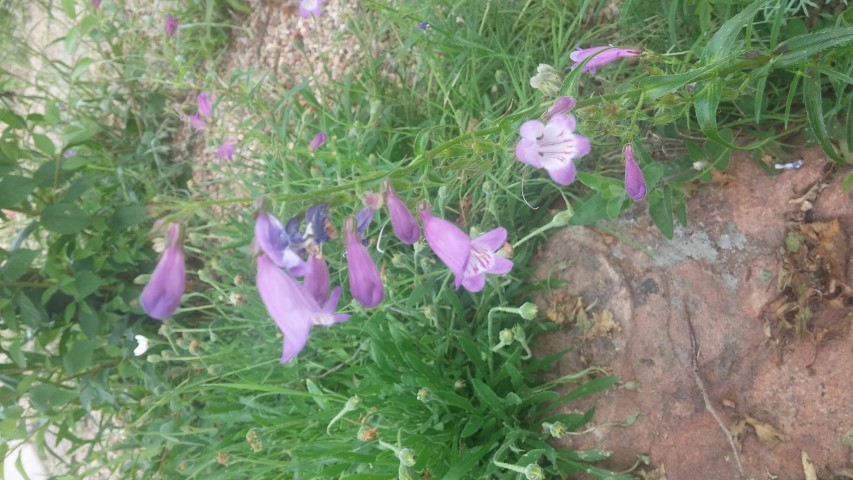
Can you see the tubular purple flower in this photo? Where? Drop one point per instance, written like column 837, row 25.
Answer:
column 317, row 280
column 318, row 141
column 171, row 26
column 162, row 294
column 553, row 146
column 364, row 280
column 402, row 221
column 196, row 122
column 203, row 100
column 275, row 242
column 96, row 3
column 469, row 259
column 311, row 7
column 561, row 105
column 635, row 181
column 227, row 150
column 292, row 307
column 607, row 55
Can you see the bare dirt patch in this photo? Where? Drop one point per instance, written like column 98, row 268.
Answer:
column 778, row 396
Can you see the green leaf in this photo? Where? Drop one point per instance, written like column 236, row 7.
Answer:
column 589, row 210
column 18, row 263
column 473, row 352
column 68, row 8
column 64, row 218
column 660, row 209
column 723, row 42
column 88, row 318
column 81, row 66
column 79, row 356
column 76, row 133
column 239, row 6
column 12, row 119
column 486, row 395
column 472, row 426
column 14, row 190
column 33, row 316
column 657, row 86
column 88, row 24
column 44, row 144
column 467, row 462
column 812, row 97
column 593, row 386
column 799, row 49
column 87, row 283
column 46, row 397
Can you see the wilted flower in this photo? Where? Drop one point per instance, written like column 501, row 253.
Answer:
column 364, row 280
column 402, row 221
column 279, row 244
column 141, row 342
column 560, row 105
column 292, row 307
column 317, row 280
column 310, row 7
column 317, row 220
column 171, row 26
column 546, row 80
column 203, row 100
column 469, row 259
column 227, row 150
column 162, row 295
column 607, row 55
column 552, row 146
column 318, row 141
column 635, row 182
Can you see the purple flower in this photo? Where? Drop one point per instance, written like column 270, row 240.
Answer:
column 317, row 280
column 171, row 26
column 635, row 182
column 227, row 150
column 196, row 122
column 96, row 3
column 292, row 307
column 423, row 26
column 363, row 218
column 364, row 280
column 310, row 7
column 317, row 217
column 318, row 141
column 203, row 100
column 553, row 146
column 561, row 105
column 607, row 55
column 402, row 221
column 278, row 243
column 469, row 259
column 162, row 294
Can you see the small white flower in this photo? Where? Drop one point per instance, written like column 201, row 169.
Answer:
column 700, row 165
column 142, row 345
column 546, row 80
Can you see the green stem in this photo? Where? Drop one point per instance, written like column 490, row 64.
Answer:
column 4, row 283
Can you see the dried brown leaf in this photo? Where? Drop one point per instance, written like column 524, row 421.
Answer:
column 767, row 433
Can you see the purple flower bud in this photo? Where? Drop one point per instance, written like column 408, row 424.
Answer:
column 292, row 307
column 362, row 221
column 311, row 7
column 608, row 54
column 364, row 280
column 96, row 3
column 402, row 221
column 423, row 26
column 203, row 100
column 561, row 105
column 196, row 122
column 469, row 259
column 171, row 26
column 317, row 280
column 227, row 150
column 162, row 295
column 318, row 141
column 275, row 242
column 635, row 182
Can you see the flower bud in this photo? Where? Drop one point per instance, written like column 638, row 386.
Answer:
column 424, row 395
column 635, row 181
column 528, row 311
column 534, row 472
column 546, row 80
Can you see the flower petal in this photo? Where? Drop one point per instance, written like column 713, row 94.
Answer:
column 288, row 304
column 317, row 279
column 528, row 152
column 364, row 280
column 162, row 294
column 491, row 240
column 402, row 221
column 560, row 123
column 449, row 242
column 635, row 181
column 564, row 175
column 474, row 283
column 531, row 130
column 502, row 265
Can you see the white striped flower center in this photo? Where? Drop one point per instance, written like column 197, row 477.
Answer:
column 479, row 261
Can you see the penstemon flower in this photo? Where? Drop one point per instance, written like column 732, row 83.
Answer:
column 469, row 259
column 402, row 221
column 560, row 105
column 635, row 181
column 317, row 280
column 553, row 146
column 279, row 244
column 196, row 121
column 227, row 150
column 204, row 107
column 162, row 294
column 364, row 280
column 293, row 308
column 608, row 54
column 546, row 80
column 318, row 141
